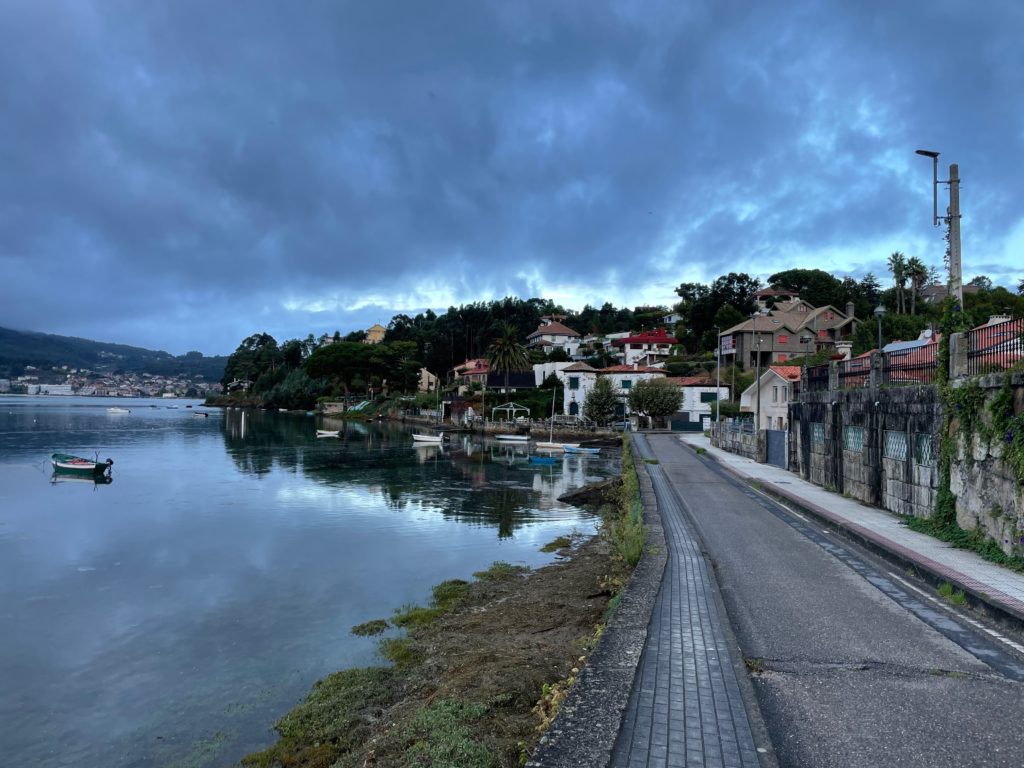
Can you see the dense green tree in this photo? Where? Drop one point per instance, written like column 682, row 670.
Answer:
column 983, row 282
column 507, row 354
column 655, row 398
column 347, row 363
column 699, row 304
column 599, row 406
column 815, row 286
column 1020, row 287
column 255, row 356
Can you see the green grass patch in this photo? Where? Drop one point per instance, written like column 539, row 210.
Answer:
column 450, row 593
column 701, row 451
column 944, row 529
column 625, row 520
column 948, row 593
column 501, row 570
column 331, row 721
column 441, row 734
column 398, row 650
column 560, row 543
column 412, row 616
column 370, row 628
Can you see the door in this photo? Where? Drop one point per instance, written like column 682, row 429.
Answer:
column 776, row 447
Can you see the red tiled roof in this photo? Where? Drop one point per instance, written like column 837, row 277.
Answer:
column 788, row 372
column 659, row 336
column 553, row 328
column 631, row 369
column 579, row 368
column 692, row 381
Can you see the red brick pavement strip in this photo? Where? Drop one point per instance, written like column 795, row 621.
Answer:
column 981, row 591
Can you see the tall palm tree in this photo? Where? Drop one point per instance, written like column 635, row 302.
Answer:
column 917, row 273
column 506, row 353
column 898, row 267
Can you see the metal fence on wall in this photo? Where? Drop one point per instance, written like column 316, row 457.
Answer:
column 910, row 366
column 817, row 378
column 995, row 347
column 854, row 373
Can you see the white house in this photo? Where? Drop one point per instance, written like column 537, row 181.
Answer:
column 578, row 380
column 624, row 378
column 551, row 335
column 699, row 392
column 646, row 348
column 777, row 386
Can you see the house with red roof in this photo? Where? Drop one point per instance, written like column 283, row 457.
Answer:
column 551, row 334
column 648, row 348
column 769, row 397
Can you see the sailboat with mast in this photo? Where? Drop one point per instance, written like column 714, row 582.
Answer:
column 551, row 445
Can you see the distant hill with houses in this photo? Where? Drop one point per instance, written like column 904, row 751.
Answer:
column 19, row 349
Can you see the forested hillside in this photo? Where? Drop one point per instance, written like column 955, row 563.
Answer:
column 42, row 350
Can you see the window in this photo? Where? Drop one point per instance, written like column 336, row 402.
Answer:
column 853, row 438
column 775, row 394
column 783, row 339
column 894, row 445
column 782, row 358
column 626, row 384
column 574, row 382
column 817, row 433
column 785, row 394
column 708, row 397
column 924, row 450
column 823, row 334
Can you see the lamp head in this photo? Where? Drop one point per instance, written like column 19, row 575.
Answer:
column 926, row 153
column 879, row 310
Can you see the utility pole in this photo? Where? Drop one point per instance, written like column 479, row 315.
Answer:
column 952, row 219
column 956, row 278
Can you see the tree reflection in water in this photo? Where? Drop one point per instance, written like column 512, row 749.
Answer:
column 464, row 480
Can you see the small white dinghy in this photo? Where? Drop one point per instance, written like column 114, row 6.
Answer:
column 328, row 433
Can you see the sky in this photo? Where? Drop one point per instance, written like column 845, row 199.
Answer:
column 180, row 174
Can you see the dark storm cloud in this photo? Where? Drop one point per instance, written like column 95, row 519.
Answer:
column 182, row 174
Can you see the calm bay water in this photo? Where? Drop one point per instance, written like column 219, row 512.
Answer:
column 168, row 618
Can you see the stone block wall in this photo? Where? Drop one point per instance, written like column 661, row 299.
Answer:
column 742, row 443
column 861, row 443
column 988, row 494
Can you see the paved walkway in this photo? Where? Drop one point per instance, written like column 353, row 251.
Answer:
column 685, row 707
column 991, row 584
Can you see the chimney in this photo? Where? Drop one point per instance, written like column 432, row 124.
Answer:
column 996, row 319
column 844, row 348
column 849, row 309
column 635, row 366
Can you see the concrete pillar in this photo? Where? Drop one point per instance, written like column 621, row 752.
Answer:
column 958, row 349
column 875, row 377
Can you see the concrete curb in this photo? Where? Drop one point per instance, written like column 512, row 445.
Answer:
column 1000, row 606
column 587, row 724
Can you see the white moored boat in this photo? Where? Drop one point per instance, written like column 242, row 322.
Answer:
column 116, row 409
column 427, row 438
column 513, row 438
column 328, row 433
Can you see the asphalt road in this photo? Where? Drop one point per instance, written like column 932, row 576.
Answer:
column 851, row 665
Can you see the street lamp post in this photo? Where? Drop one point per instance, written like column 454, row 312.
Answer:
column 879, row 311
column 718, row 373
column 757, row 383
column 952, row 219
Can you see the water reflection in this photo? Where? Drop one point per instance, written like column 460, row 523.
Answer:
column 206, row 589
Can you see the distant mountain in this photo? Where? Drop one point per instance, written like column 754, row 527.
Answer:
column 44, row 350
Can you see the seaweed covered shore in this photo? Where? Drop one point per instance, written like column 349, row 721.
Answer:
column 476, row 675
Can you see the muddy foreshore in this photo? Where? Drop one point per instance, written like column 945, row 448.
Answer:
column 476, row 676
